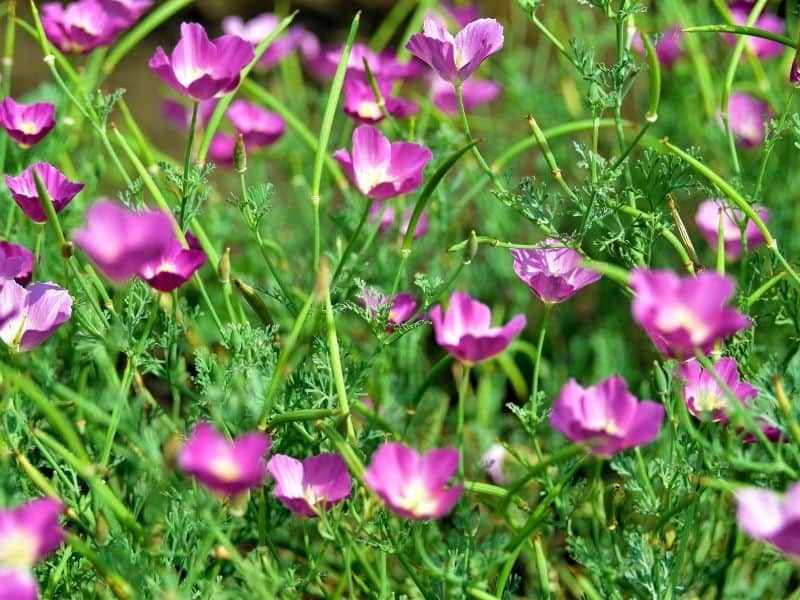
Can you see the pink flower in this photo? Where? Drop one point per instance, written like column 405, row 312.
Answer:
column 120, row 241
column 404, row 306
column 259, row 127
column 422, row 225
column 221, row 148
column 474, row 92
column 202, row 69
column 28, row 533
column 381, row 169
column 462, row 15
column 16, row 262
column 312, row 486
column 80, row 27
column 256, row 30
column 383, row 211
column 707, row 220
column 456, row 58
column 384, row 66
column 174, row 267
column 23, row 190
column 466, row 331
column 180, row 115
column 18, row 584
column 704, row 397
column 668, row 49
column 748, row 118
column 360, row 105
column 411, row 484
column 27, row 124
column 125, row 13
column 606, row 416
column 760, row 47
column 227, row 468
column 493, row 460
column 552, row 271
column 770, row 517
column 39, row 310
column 684, row 314
column 794, row 73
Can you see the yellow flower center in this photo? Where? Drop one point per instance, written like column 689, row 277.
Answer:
column 416, row 499
column 225, row 469
column 28, row 127
column 17, row 551
column 369, row 110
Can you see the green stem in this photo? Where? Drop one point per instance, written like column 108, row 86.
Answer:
column 463, row 390
column 475, row 150
column 186, row 160
column 336, row 365
column 536, row 365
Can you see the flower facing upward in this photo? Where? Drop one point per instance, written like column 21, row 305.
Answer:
column 120, row 241
column 27, row 124
column 200, row 68
column 39, row 310
column 606, row 416
column 765, row 515
column 456, row 58
column 474, row 92
column 312, row 486
column 704, row 397
column 411, row 484
column 227, row 468
column 259, row 127
column 381, row 169
column 684, row 314
column 707, row 220
column 16, row 262
column 174, row 267
column 361, row 106
column 257, row 29
column 80, row 26
column 748, row 118
column 23, row 190
column 668, row 49
column 760, row 47
column 552, row 270
column 466, row 331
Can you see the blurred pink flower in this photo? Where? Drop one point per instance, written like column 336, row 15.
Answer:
column 704, row 397
column 770, row 517
column 79, row 27
column 668, row 49
column 16, row 262
column 760, row 47
column 748, row 118
column 259, row 127
column 474, row 92
column 312, row 486
column 23, row 190
column 257, row 29
column 707, row 220
column 174, row 267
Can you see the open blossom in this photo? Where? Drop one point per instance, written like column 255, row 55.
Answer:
column 18, row 584
column 180, row 115
column 312, row 486
column 257, row 29
column 120, row 241
column 474, row 92
column 27, row 124
column 200, row 68
column 707, row 220
column 79, row 27
column 606, row 416
column 404, row 306
column 225, row 467
column 126, row 12
column 16, row 262
column 384, row 65
column 174, row 267
column 422, row 224
column 748, row 118
column 413, row 485
column 361, row 106
column 773, row 518
column 462, row 15
column 381, row 169
column 552, row 271
column 760, row 47
column 466, row 331
column 23, row 190
column 39, row 310
column 455, row 58
column 259, row 127
column 704, row 397
column 668, row 49
column 684, row 314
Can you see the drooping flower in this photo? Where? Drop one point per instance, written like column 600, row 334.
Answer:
column 257, row 29
column 605, row 416
column 79, row 27
column 200, row 68
column 360, row 104
column 23, row 190
column 227, row 468
column 404, row 306
column 120, row 241
column 174, row 267
column 381, row 169
column 493, row 460
column 748, row 118
column 760, row 47
column 39, row 310
column 466, row 331
column 474, row 92
column 684, row 314
column 411, row 484
column 259, row 127
column 707, row 220
column 704, row 397
column 455, row 58
column 774, row 518
column 16, row 262
column 312, row 486
column 27, row 124
column 552, row 271
column 668, row 49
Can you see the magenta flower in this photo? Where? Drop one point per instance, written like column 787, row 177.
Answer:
column 466, row 331
column 668, row 49
column 360, row 105
column 256, row 30
column 404, row 306
column 259, row 127
column 552, row 270
column 126, row 12
column 202, row 69
column 493, row 460
column 704, row 397
column 474, row 92
column 462, row 15
column 27, row 124
column 221, row 148
column 773, row 518
column 39, row 310
column 18, row 584
column 707, row 220
column 180, row 115
column 760, row 47
column 794, row 73
column 383, row 211
column 312, row 486
column 456, row 58
column 411, row 484
column 227, row 468
column 384, row 66
column 80, row 27
column 422, row 224
column 684, row 314
column 174, row 267
column 381, row 169
column 28, row 533
column 23, row 190
column 605, row 416
column 120, row 241
column 16, row 262
column 748, row 118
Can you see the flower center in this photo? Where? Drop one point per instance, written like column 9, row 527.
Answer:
column 708, row 401
column 369, row 110
column 18, row 551
column 683, row 318
column 225, row 468
column 28, row 127
column 416, row 499
column 189, row 75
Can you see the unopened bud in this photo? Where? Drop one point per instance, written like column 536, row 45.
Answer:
column 240, row 155
column 255, row 301
column 224, row 267
column 170, row 450
column 238, row 504
column 101, row 532
column 471, row 249
column 220, row 552
column 68, row 250
column 323, row 281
